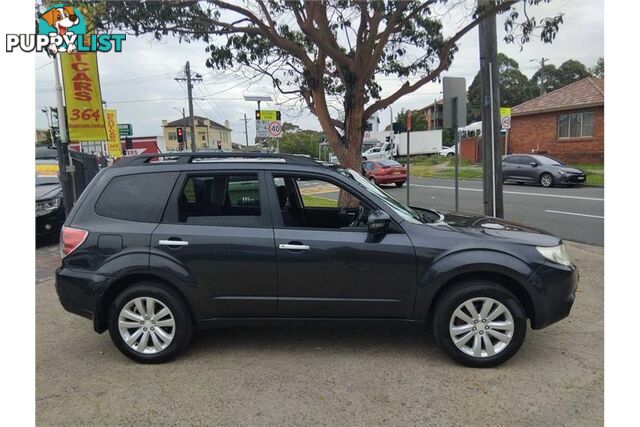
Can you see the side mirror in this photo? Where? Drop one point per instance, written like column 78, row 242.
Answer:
column 378, row 222
column 533, row 164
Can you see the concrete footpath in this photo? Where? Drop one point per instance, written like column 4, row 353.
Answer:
column 334, row 376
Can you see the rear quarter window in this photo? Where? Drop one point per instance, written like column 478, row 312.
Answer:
column 139, row 197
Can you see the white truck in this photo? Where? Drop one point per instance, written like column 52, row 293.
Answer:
column 422, row 142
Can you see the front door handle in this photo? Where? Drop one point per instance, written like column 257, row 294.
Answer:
column 173, row 243
column 294, row 247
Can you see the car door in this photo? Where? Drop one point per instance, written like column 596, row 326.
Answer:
column 509, row 168
column 217, row 228
column 529, row 172
column 327, row 265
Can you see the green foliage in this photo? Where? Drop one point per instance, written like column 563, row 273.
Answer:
column 554, row 78
column 598, row 69
column 515, row 88
column 301, row 142
column 418, row 120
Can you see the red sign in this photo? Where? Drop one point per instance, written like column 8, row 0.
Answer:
column 409, row 120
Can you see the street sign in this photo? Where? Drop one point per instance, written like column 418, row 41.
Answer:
column 454, row 88
column 126, row 129
column 275, row 129
column 269, row 115
column 505, row 118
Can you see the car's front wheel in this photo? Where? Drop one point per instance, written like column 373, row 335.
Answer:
column 479, row 323
column 546, row 180
column 149, row 323
column 399, row 184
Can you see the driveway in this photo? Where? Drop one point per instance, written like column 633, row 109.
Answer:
column 318, row 375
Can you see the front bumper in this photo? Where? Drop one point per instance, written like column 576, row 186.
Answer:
column 572, row 179
column 50, row 223
column 557, row 286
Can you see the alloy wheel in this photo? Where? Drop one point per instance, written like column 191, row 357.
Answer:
column 146, row 325
column 481, row 327
column 546, row 180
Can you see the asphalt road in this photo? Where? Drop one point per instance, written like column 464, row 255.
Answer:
column 575, row 214
column 321, row 376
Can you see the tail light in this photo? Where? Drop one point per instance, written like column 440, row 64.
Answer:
column 71, row 239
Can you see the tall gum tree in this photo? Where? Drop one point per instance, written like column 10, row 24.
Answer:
column 328, row 52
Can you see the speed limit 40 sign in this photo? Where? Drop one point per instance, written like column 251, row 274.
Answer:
column 274, row 129
column 505, row 118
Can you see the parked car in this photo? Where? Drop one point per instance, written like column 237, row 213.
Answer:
column 543, row 170
column 49, row 206
column 154, row 250
column 385, row 172
column 384, row 151
column 448, row 151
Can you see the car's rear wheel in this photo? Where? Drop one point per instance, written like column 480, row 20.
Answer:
column 450, row 154
column 399, row 184
column 149, row 323
column 546, row 180
column 372, row 179
column 479, row 323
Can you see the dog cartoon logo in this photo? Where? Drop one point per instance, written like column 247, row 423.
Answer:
column 61, row 20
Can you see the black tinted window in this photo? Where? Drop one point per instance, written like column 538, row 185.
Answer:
column 136, row 197
column 232, row 200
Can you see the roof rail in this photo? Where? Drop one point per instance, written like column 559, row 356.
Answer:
column 184, row 158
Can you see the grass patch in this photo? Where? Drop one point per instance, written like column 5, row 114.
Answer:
column 318, row 202
column 595, row 172
column 465, row 172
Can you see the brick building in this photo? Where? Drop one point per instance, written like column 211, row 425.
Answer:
column 567, row 124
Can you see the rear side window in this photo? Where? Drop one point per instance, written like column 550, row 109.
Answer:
column 136, row 197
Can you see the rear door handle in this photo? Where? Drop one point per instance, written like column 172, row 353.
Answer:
column 295, row 247
column 173, row 243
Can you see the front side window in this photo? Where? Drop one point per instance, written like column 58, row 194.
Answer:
column 576, row 125
column 232, row 200
column 316, row 203
column 139, row 197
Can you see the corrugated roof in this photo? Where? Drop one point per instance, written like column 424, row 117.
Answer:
column 186, row 122
column 588, row 92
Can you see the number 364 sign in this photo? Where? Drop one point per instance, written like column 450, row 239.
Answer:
column 83, row 97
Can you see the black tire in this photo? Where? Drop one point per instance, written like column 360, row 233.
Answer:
column 399, row 184
column 364, row 159
column 372, row 179
column 454, row 297
column 167, row 296
column 546, row 180
column 450, row 154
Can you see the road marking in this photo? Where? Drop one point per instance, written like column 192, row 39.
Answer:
column 520, row 193
column 574, row 213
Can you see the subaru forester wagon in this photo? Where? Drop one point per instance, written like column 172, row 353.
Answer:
column 160, row 245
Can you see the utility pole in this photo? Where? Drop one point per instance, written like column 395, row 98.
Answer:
column 490, row 95
column 541, row 80
column 190, row 79
column 65, row 167
column 246, row 132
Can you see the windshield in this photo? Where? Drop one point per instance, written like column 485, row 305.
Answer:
column 402, row 210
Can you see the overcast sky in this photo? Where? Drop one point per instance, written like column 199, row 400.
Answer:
column 139, row 81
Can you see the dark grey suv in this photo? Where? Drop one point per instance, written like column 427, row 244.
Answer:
column 159, row 246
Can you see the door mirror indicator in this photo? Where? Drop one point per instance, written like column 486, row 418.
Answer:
column 378, row 222
column 533, row 164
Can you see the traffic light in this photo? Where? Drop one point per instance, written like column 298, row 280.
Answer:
column 128, row 143
column 180, row 133
column 387, row 139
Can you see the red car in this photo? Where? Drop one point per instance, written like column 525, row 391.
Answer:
column 384, row 172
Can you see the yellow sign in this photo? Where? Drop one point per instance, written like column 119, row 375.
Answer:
column 267, row 115
column 47, row 169
column 505, row 111
column 113, row 134
column 83, row 97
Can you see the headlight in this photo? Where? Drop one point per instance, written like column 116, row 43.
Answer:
column 45, row 206
column 557, row 254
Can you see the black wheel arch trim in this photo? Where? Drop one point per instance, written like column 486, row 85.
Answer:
column 501, row 267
